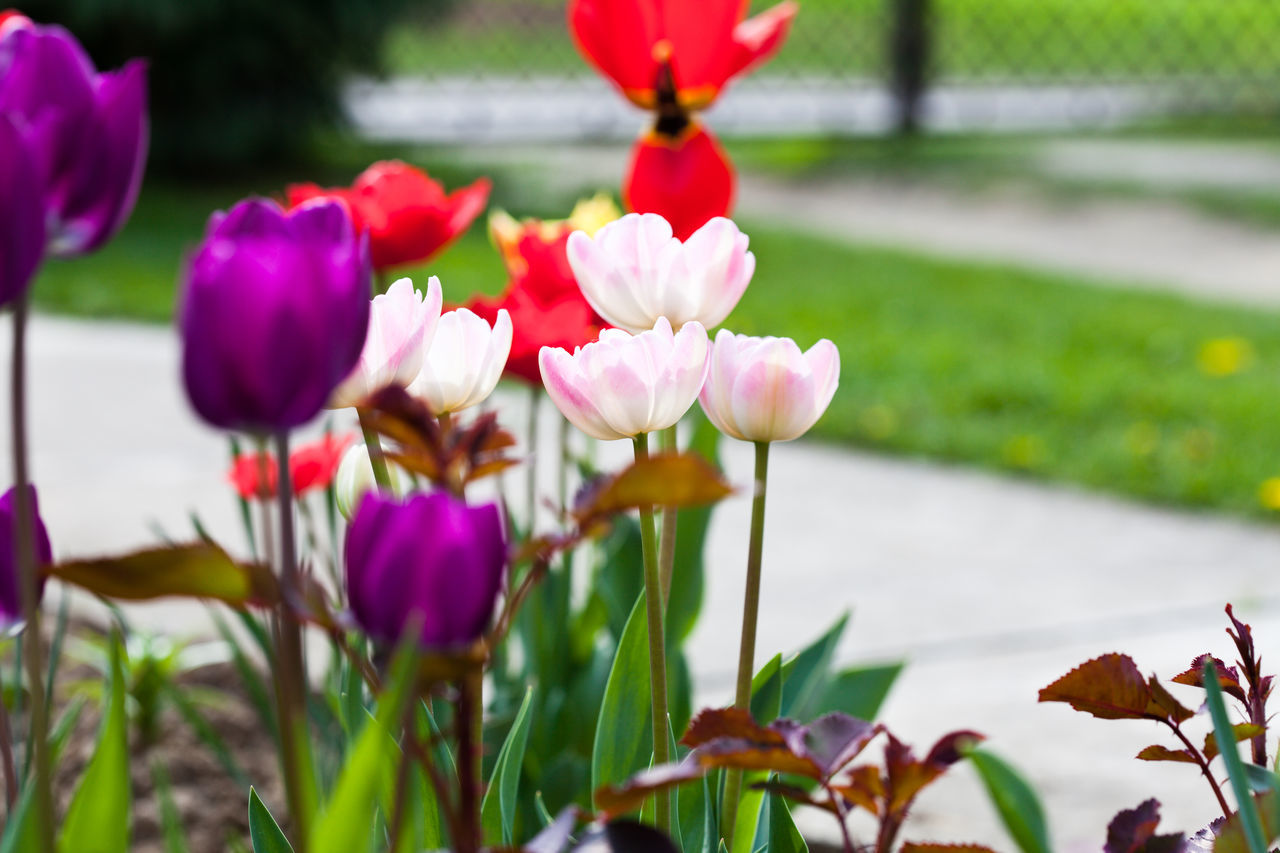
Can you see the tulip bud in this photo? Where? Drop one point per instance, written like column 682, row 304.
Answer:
column 765, row 389
column 464, row 362
column 623, row 385
column 10, row 589
column 432, row 560
column 401, row 325
column 355, row 479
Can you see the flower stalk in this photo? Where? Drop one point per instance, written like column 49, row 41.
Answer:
column 470, row 717
column 667, row 541
column 377, row 459
column 747, row 648
column 657, row 645
column 28, row 583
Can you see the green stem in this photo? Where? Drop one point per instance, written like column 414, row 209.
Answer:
column 566, row 459
column 291, row 693
column 377, row 458
column 667, row 557
column 470, row 717
column 747, row 649
column 28, row 583
column 531, row 471
column 657, row 645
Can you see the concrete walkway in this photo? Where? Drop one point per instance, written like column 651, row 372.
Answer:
column 990, row 587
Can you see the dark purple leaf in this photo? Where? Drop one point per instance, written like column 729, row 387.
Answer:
column 625, row 836
column 629, row 796
column 831, row 741
column 1134, row 831
column 933, row 847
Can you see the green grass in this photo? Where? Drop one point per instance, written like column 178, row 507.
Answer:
column 979, row 364
column 974, row 38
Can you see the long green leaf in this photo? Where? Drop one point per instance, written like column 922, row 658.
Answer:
column 623, row 741
column 1249, row 817
column 98, row 818
column 859, row 691
column 806, row 675
column 345, row 825
column 784, row 837
column 175, row 841
column 766, row 692
column 498, row 809
column 19, row 826
column 265, row 833
column 687, row 581
column 1015, row 801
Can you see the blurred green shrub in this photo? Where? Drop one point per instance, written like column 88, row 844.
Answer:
column 233, row 82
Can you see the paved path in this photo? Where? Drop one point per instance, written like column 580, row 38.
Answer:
column 991, row 587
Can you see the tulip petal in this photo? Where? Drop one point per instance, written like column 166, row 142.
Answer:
column 22, row 234
column 686, row 179
column 759, row 38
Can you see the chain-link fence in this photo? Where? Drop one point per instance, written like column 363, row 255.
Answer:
column 862, row 66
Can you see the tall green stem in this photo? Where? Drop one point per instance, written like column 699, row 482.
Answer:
column 531, row 466
column 28, row 582
column 747, row 648
column 470, row 719
column 377, row 459
column 291, row 691
column 657, row 645
column 667, row 557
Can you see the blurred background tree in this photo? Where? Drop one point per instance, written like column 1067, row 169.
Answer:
column 234, row 82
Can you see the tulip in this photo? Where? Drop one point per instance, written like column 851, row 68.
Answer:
column 274, row 314
column 431, row 560
column 22, row 235
column 10, row 591
column 685, row 177
column 87, row 131
column 406, row 213
column 401, row 325
column 311, row 467
column 707, row 43
column 355, row 478
column 624, row 385
column 635, row 271
column 12, row 19
column 464, row 362
column 567, row 322
column 765, row 389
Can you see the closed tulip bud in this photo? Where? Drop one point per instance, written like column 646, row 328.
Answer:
column 431, row 561
column 766, row 389
column 10, row 590
column 464, row 362
column 624, row 385
column 401, row 325
column 274, row 314
column 635, row 271
column 87, row 130
column 355, row 479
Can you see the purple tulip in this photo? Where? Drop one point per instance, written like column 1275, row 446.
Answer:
column 431, row 558
column 87, row 130
column 21, row 215
column 274, row 313
column 10, row 591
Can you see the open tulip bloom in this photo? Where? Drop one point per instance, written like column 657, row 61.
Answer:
column 765, row 389
column 635, row 271
column 402, row 324
column 623, row 385
column 464, row 362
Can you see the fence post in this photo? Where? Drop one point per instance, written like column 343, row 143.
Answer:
column 909, row 60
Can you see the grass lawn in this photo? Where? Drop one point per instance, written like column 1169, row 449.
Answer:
column 974, row 38
column 979, row 364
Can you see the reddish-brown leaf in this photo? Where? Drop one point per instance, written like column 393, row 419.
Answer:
column 628, row 797
column 863, row 787
column 1109, row 687
column 1156, row 752
column 199, row 570
column 669, row 479
column 1228, row 676
column 1163, row 703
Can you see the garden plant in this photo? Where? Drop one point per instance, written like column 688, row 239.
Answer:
column 503, row 668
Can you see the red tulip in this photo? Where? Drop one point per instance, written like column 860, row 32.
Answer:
column 708, row 43
column 407, row 214
column 686, row 178
column 311, row 466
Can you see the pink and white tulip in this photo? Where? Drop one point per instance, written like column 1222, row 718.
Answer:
column 765, row 389
column 401, row 325
column 634, row 271
column 624, row 385
column 464, row 362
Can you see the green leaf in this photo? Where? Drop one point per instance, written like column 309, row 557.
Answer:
column 263, row 830
column 19, row 827
column 624, row 741
column 175, row 841
column 766, row 692
column 687, row 580
column 805, row 676
column 750, row 811
column 859, row 691
column 1015, row 801
column 1261, row 779
column 498, row 810
column 784, row 837
column 344, row 827
column 619, row 575
column 1249, row 817
column 98, row 818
